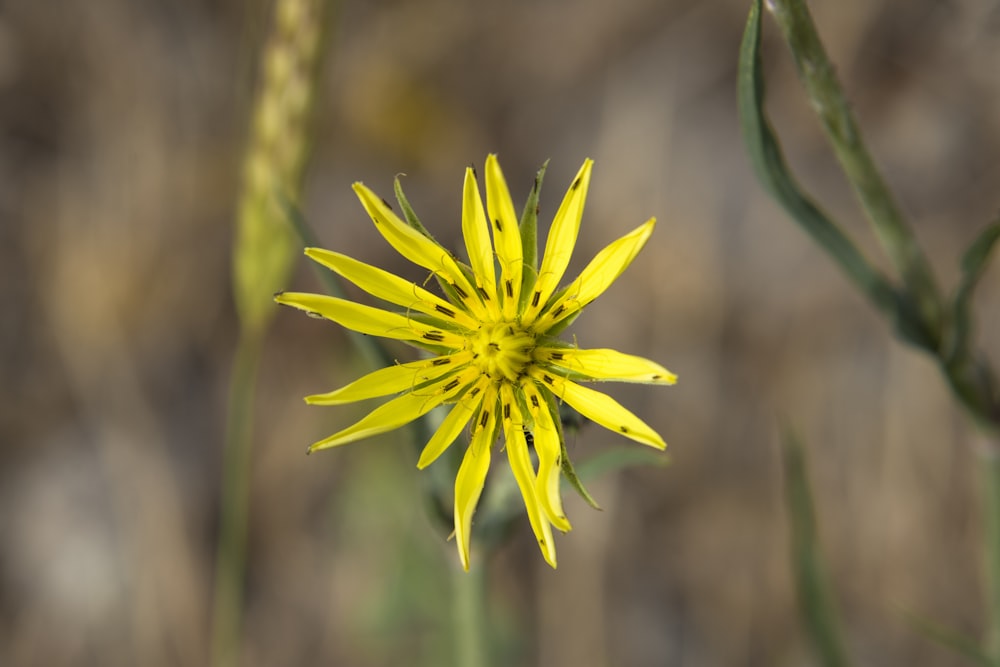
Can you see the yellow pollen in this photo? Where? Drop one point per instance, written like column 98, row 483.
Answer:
column 502, row 350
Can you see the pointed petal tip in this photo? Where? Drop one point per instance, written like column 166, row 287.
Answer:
column 463, row 554
column 668, row 379
column 560, row 523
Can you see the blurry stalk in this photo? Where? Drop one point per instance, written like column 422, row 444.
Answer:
column 469, row 621
column 811, row 583
column 942, row 328
column 991, row 470
column 277, row 149
column 820, row 80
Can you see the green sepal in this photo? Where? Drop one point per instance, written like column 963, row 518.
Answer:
column 566, row 465
column 413, row 221
column 529, row 238
column 408, row 213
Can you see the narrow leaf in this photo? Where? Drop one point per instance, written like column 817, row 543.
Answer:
column 974, row 263
column 949, row 638
column 811, row 583
column 769, row 164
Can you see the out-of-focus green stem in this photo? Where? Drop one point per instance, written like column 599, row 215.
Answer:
column 230, row 563
column 469, row 616
column 815, row 597
column 991, row 510
column 278, row 146
column 824, row 91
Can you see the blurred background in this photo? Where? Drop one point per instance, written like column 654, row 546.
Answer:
column 122, row 127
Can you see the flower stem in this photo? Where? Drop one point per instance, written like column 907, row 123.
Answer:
column 820, row 80
column 469, row 616
column 990, row 457
column 230, row 561
column 812, row 584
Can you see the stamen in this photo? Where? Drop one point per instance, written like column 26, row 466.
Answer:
column 447, row 311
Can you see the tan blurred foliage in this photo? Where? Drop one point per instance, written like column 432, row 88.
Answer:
column 121, row 126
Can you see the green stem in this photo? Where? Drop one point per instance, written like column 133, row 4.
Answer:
column 230, row 563
column 469, row 616
column 820, row 80
column 991, row 518
column 811, row 582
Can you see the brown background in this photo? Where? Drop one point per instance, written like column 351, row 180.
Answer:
column 120, row 132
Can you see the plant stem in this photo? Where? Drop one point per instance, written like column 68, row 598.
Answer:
column 990, row 457
column 820, row 80
column 469, row 616
column 230, row 563
column 811, row 579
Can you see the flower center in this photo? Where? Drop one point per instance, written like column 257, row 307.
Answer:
column 502, row 350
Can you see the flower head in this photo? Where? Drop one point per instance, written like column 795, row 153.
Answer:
column 496, row 360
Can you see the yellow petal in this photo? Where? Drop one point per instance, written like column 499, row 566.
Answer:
column 600, row 408
column 397, row 412
column 368, row 320
column 390, row 287
column 472, row 475
column 417, row 248
column 604, row 364
column 476, row 231
column 549, row 456
column 603, row 270
column 392, row 380
column 506, row 236
column 524, row 473
column 453, row 424
column 560, row 242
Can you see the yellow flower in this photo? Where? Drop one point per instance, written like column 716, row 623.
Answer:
column 497, row 361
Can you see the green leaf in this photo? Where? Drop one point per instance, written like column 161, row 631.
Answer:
column 529, row 237
column 812, row 586
column 770, row 167
column 974, row 263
